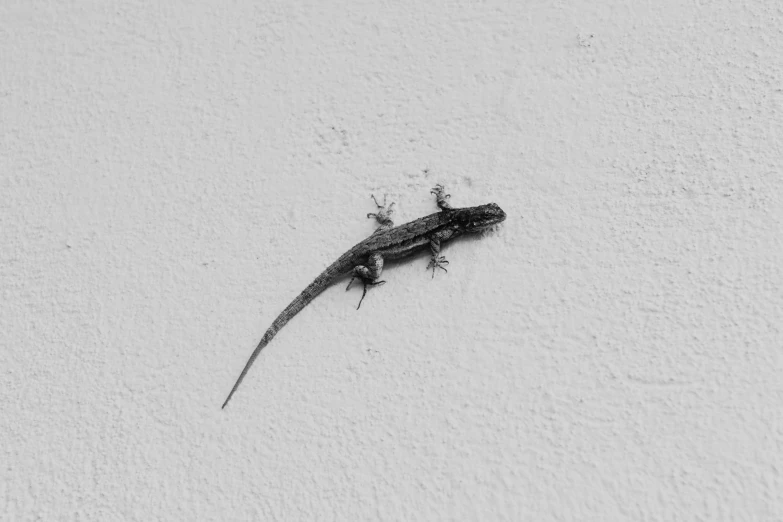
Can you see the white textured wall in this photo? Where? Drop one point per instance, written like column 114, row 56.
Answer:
column 172, row 176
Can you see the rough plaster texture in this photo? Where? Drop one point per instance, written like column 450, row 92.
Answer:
column 173, row 174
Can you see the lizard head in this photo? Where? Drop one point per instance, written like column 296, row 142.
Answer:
column 474, row 219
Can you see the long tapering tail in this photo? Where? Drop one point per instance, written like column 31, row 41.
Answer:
column 321, row 283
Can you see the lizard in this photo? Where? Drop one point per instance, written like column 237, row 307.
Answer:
column 365, row 259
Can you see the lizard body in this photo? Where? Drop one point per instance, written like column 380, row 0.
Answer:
column 365, row 259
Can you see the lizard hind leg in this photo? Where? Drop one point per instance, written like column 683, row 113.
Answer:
column 364, row 292
column 369, row 274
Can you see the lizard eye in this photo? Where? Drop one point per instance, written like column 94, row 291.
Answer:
column 463, row 219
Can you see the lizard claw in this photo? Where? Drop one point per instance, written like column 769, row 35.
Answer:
column 438, row 189
column 366, row 284
column 437, row 262
column 376, row 201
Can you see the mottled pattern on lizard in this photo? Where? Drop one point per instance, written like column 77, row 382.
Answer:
column 365, row 260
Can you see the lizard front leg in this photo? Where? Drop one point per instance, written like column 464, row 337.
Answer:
column 384, row 214
column 436, row 260
column 369, row 274
column 441, row 198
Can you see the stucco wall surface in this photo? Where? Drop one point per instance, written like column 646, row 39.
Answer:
column 173, row 173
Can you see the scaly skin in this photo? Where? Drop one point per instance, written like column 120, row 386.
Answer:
column 365, row 259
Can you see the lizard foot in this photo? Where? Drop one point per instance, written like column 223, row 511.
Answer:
column 364, row 292
column 437, row 262
column 441, row 198
column 384, row 214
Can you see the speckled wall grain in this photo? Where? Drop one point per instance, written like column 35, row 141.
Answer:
column 173, row 174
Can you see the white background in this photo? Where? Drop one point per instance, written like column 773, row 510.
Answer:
column 173, row 174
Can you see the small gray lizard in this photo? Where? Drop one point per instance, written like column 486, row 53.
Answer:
column 365, row 259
